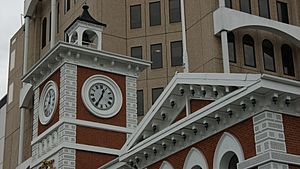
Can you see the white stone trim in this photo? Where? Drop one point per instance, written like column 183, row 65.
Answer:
column 67, row 158
column 131, row 103
column 68, row 91
column 227, row 143
column 166, row 165
column 35, row 113
column 195, row 157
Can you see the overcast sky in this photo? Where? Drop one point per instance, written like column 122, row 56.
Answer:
column 10, row 19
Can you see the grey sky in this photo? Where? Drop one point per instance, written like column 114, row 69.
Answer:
column 10, row 19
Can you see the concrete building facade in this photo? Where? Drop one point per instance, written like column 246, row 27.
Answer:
column 223, row 36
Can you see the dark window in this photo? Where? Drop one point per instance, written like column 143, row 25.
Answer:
column 231, row 47
column 245, row 6
column 57, row 19
column 50, row 27
column 154, row 9
column 135, row 17
column 176, row 53
column 44, row 32
column 268, row 54
column 140, row 103
column 175, row 15
column 156, row 93
column 228, row 3
column 136, row 52
column 287, row 60
column 67, row 5
column 282, row 10
column 264, row 10
column 233, row 162
column 156, row 56
column 196, row 167
column 249, row 52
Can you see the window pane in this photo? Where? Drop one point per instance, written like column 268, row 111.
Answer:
column 44, row 32
column 228, row 4
column 140, row 103
column 249, row 52
column 49, row 33
column 245, row 6
column 268, row 55
column 264, row 8
column 136, row 52
column 231, row 47
column 176, row 53
column 282, row 10
column 57, row 19
column 233, row 162
column 156, row 93
column 175, row 15
column 154, row 9
column 287, row 60
column 135, row 17
column 67, row 5
column 156, row 56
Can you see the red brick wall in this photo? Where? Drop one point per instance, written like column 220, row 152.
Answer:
column 242, row 131
column 294, row 167
column 102, row 138
column 89, row 160
column 82, row 111
column 56, row 78
column 292, row 133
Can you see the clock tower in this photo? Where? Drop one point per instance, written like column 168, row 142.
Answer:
column 84, row 99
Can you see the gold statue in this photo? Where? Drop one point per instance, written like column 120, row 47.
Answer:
column 47, row 164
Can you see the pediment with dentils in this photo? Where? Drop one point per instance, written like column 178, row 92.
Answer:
column 221, row 100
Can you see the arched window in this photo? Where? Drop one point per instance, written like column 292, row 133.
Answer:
column 196, row 167
column 228, row 3
column 90, row 39
column 44, row 32
column 231, row 47
column 287, row 60
column 268, row 55
column 233, row 162
column 245, row 6
column 249, row 51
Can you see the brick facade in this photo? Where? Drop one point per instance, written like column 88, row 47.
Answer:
column 292, row 133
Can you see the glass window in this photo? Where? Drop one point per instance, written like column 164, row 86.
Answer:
column 49, row 28
column 231, row 47
column 264, row 10
column 135, row 17
column 268, row 55
column 282, row 12
column 196, row 167
column 154, row 9
column 57, row 19
column 249, row 52
column 67, row 5
column 245, row 6
column 176, row 53
column 174, row 13
column 136, row 52
column 44, row 32
column 228, row 3
column 287, row 60
column 233, row 162
column 156, row 56
column 140, row 103
column 156, row 93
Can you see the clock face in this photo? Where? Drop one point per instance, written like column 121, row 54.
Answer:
column 48, row 102
column 101, row 96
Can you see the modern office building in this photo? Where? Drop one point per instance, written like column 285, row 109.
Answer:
column 239, row 103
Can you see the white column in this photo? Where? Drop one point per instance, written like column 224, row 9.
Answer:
column 184, row 45
column 187, row 106
column 23, row 110
column 53, row 23
column 225, row 52
column 221, row 3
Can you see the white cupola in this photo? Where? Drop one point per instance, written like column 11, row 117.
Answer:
column 86, row 31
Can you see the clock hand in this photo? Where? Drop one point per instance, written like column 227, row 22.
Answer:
column 103, row 91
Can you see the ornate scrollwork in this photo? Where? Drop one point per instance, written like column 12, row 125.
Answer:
column 47, row 164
